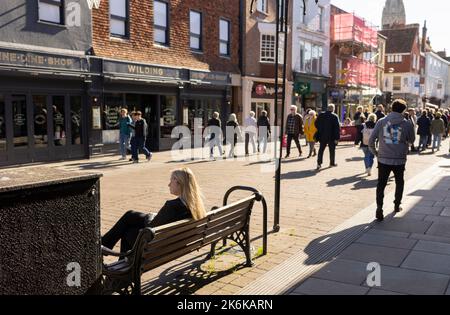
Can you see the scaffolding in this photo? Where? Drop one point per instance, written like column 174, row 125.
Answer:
column 355, row 42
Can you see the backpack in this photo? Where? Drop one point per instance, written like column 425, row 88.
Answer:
column 367, row 133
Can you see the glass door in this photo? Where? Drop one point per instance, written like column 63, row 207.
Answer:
column 21, row 152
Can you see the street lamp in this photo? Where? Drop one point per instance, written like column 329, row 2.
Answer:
column 281, row 27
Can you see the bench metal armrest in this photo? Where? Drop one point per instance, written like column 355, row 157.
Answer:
column 258, row 197
column 109, row 252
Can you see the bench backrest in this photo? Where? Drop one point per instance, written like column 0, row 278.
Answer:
column 180, row 238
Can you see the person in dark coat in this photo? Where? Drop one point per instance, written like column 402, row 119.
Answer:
column 424, row 130
column 215, row 134
column 232, row 135
column 431, row 118
column 380, row 112
column 264, row 131
column 294, row 128
column 328, row 134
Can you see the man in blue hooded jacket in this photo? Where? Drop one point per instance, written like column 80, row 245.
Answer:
column 394, row 134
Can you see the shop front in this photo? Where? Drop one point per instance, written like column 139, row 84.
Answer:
column 167, row 97
column 311, row 91
column 42, row 107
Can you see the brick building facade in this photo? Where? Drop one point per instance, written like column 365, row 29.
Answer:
column 177, row 65
column 258, row 60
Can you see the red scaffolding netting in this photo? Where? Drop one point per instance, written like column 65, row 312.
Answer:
column 348, row 27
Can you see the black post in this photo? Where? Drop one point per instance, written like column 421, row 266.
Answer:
column 282, row 27
column 276, row 224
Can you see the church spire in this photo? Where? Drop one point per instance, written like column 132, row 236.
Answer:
column 393, row 14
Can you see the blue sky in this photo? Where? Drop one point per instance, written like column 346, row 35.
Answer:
column 436, row 12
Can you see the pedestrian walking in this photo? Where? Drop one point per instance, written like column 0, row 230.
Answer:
column 251, row 126
column 444, row 117
column 310, row 132
column 328, row 134
column 431, row 118
column 423, row 130
column 413, row 120
column 394, row 134
column 369, row 157
column 233, row 133
column 264, row 131
column 437, row 130
column 138, row 144
column 294, row 128
column 358, row 123
column 215, row 134
column 125, row 133
column 380, row 112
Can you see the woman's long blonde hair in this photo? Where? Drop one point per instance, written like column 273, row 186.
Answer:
column 190, row 192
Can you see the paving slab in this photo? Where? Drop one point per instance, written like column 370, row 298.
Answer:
column 435, row 210
column 428, row 262
column 388, row 233
column 412, row 281
column 430, row 238
column 437, row 219
column 345, row 271
column 439, row 229
column 404, row 225
column 370, row 253
column 387, row 241
column 433, row 247
column 446, row 212
column 444, row 204
column 382, row 292
column 314, row 286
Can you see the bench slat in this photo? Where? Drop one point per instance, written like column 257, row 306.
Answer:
column 148, row 265
column 177, row 227
column 180, row 238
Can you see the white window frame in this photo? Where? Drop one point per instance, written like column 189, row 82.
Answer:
column 320, row 12
column 60, row 4
column 267, row 48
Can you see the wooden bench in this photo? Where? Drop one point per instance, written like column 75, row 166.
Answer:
column 158, row 246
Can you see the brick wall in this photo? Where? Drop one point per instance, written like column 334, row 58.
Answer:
column 141, row 48
column 252, row 42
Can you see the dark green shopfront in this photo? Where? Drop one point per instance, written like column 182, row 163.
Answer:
column 55, row 107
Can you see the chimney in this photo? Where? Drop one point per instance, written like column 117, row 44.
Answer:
column 424, row 36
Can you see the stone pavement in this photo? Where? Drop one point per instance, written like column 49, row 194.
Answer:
column 412, row 248
column 313, row 204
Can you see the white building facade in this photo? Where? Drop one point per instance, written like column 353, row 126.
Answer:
column 311, row 53
column 436, row 79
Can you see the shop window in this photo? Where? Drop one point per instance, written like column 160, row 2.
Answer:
column 118, row 10
column 168, row 115
column 2, row 124
column 59, row 122
column 224, row 46
column 20, row 125
column 51, row 11
column 161, row 22
column 76, row 119
column 111, row 111
column 397, row 83
column 40, row 121
column 195, row 20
